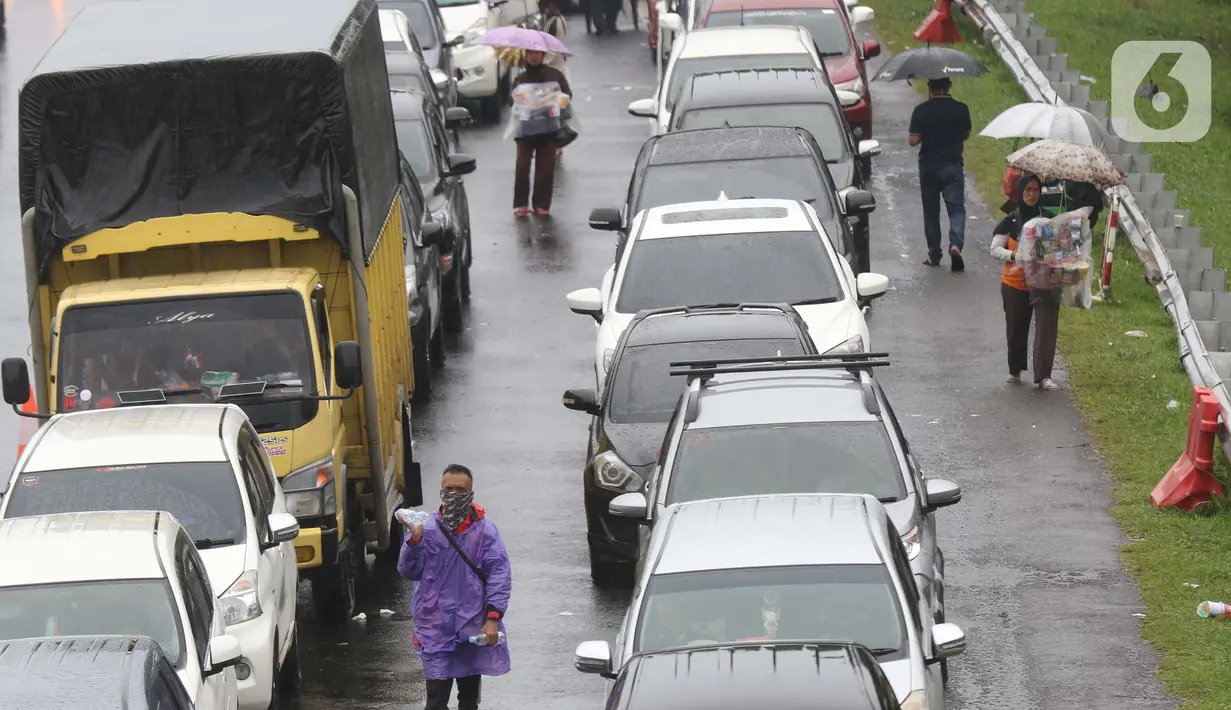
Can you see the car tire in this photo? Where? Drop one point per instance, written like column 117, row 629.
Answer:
column 863, row 247
column 437, row 346
column 611, row 575
column 452, row 317
column 286, row 680
column 464, row 284
column 421, row 349
column 334, row 597
column 490, row 108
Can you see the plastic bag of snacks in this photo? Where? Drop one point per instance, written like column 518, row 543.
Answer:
column 1054, row 253
column 538, row 110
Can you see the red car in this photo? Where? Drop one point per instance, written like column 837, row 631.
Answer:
column 829, row 24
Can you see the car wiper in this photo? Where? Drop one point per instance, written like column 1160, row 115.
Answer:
column 207, row 543
column 816, row 301
column 832, row 54
column 890, row 499
column 882, row 651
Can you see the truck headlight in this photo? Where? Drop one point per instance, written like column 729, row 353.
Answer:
column 240, row 602
column 309, row 490
column 847, row 347
column 912, row 542
column 615, row 475
column 856, row 85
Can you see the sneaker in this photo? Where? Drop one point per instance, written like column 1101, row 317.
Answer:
column 542, row 212
column 1014, row 379
column 521, row 212
column 1047, row 384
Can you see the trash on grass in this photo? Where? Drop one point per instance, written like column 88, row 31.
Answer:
column 1211, row 610
column 359, row 617
column 1136, row 333
column 1173, row 404
column 387, row 612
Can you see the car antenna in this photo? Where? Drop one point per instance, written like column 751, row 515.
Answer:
column 741, row 15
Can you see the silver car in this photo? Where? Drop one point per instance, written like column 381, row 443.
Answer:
column 800, row 424
column 818, row 567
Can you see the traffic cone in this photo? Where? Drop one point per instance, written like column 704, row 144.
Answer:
column 938, row 27
column 1189, row 484
column 28, row 425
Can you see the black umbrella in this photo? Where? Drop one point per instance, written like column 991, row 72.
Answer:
column 930, row 63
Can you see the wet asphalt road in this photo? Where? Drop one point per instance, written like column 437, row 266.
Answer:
column 1033, row 572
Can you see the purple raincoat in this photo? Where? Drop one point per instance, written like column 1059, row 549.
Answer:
column 448, row 604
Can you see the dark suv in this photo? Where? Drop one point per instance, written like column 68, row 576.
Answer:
column 749, row 161
column 628, row 423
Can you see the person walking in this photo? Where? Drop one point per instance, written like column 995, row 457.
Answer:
column 463, row 581
column 940, row 127
column 1020, row 302
column 539, row 149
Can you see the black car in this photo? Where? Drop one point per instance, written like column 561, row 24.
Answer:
column 630, row 419
column 429, row 29
column 423, row 140
column 784, row 97
column 423, row 281
column 735, row 163
column 410, row 71
column 755, row 674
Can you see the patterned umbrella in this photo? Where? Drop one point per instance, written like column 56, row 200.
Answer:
column 1057, row 159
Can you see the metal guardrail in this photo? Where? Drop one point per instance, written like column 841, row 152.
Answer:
column 1133, row 221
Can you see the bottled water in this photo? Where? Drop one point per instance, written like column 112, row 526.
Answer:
column 409, row 517
column 481, row 639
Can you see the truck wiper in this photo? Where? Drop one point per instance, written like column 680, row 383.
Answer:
column 207, row 543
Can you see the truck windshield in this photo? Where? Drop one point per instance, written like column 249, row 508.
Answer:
column 187, row 348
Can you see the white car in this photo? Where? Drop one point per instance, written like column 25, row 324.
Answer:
column 714, row 49
column 732, row 252
column 798, row 568
column 129, row 573
column 398, row 37
column 203, row 463
column 483, row 78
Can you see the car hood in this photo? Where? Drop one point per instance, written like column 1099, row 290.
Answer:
column 224, row 565
column 460, row 18
column 829, row 324
column 842, row 69
column 902, row 513
column 636, row 444
column 898, row 672
column 843, row 173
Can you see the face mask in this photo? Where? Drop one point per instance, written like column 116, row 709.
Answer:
column 455, row 506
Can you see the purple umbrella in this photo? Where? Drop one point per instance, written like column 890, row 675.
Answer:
column 522, row 38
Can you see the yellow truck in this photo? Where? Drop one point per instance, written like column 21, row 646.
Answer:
column 212, row 211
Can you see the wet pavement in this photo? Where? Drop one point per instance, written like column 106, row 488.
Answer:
column 1033, row 571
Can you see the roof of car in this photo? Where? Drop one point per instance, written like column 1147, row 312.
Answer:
column 407, row 105
column 706, row 145
column 130, row 435
column 734, row 5
column 101, row 672
column 699, row 325
column 788, row 397
column 743, row 41
column 76, row 547
column 781, row 676
column 403, row 63
column 752, row 87
column 729, row 216
column 771, row 531
column 389, row 21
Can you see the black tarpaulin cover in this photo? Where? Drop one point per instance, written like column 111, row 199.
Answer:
column 156, row 108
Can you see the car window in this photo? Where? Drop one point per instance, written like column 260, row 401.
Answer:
column 162, row 697
column 769, row 267
column 787, row 178
column 203, row 497
column 421, row 21
column 687, row 67
column 410, row 82
column 199, row 587
column 818, row 118
column 827, row 26
column 413, row 141
column 200, row 616
column 414, row 198
column 821, row 457
column 643, row 389
column 854, row 603
column 256, row 468
column 902, row 566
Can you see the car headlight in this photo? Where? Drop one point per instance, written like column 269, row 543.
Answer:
column 309, row 490
column 474, row 33
column 856, row 85
column 615, row 475
column 608, row 356
column 240, row 602
column 917, row 700
column 912, row 542
column 412, row 281
column 847, row 347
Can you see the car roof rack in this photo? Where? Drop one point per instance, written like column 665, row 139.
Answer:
column 701, row 308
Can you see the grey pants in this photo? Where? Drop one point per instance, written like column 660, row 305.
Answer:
column 1046, row 305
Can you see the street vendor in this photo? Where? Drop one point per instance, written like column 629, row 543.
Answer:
column 539, row 148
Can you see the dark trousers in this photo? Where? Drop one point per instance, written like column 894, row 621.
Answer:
column 1046, row 305
column 947, row 181
column 542, row 150
column 1017, row 312
column 468, row 693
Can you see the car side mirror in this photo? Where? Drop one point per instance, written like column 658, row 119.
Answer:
column 629, row 505
column 347, row 365
column 645, row 108
column 605, row 219
column 869, row 148
column 869, row 286
column 586, row 302
column 283, row 527
column 862, row 15
column 857, row 202
column 671, row 22
column 594, row 657
column 224, row 652
column 460, row 164
column 432, row 234
column 947, row 641
column 581, row 401
column 939, row 493
column 871, row 49
column 456, row 116
column 15, row 381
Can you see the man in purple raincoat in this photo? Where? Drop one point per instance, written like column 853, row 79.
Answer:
column 460, row 593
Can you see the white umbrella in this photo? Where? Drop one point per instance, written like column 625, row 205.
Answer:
column 1040, row 120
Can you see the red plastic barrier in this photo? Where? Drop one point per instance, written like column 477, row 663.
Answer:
column 28, row 426
column 1189, row 484
column 938, row 27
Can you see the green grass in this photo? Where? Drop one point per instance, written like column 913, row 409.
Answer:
column 1122, row 384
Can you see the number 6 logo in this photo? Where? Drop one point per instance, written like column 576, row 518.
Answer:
column 1190, row 88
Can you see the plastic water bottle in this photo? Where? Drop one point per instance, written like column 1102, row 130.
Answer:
column 1212, row 610
column 408, row 516
column 481, row 639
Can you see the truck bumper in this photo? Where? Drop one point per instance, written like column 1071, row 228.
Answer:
column 256, row 641
column 316, row 547
column 480, row 72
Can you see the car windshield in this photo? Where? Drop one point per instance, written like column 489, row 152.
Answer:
column 204, row 497
column 685, row 68
column 188, row 347
column 642, row 389
column 421, row 22
column 414, row 144
column 767, row 267
column 854, row 603
column 788, row 178
column 827, row 27
column 139, row 607
column 824, row 457
column 819, row 119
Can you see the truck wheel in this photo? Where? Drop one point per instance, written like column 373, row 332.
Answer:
column 333, row 592
column 422, row 360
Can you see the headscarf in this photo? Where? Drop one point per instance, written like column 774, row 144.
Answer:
column 455, row 507
column 1025, row 212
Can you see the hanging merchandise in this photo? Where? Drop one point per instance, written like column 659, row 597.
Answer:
column 1054, row 253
